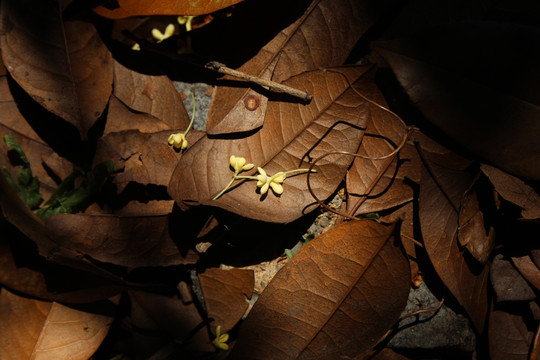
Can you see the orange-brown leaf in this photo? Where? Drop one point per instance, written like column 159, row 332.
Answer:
column 136, row 239
column 33, row 329
column 151, row 94
column 333, row 299
column 509, row 337
column 466, row 279
column 63, row 65
column 225, row 295
column 310, row 43
column 129, row 8
column 292, row 136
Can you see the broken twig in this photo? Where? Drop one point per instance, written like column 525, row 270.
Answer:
column 221, row 68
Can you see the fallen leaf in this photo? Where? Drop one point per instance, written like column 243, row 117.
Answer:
column 168, row 318
column 374, row 189
column 33, row 329
column 376, row 184
column 23, row 271
column 63, row 65
column 448, row 72
column 134, row 240
column 307, row 44
column 121, row 118
column 36, row 150
column 507, row 282
column 293, row 135
column 535, row 348
column 405, row 215
column 472, row 233
column 335, row 298
column 127, row 8
column 384, row 354
column 509, row 337
column 146, row 158
column 225, row 295
column 151, row 94
column 528, row 269
column 466, row 279
column 514, row 190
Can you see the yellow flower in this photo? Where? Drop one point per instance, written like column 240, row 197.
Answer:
column 169, row 31
column 185, row 20
column 178, row 141
column 239, row 164
column 136, row 47
column 221, row 339
column 275, row 181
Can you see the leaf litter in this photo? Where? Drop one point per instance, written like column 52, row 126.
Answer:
column 135, row 212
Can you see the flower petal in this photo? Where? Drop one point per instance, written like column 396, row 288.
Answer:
column 279, row 177
column 264, row 189
column 248, row 167
column 278, row 189
column 261, row 171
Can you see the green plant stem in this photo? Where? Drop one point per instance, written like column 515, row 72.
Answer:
column 192, row 115
column 225, row 189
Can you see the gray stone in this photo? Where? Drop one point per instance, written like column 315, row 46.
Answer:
column 202, row 102
column 443, row 329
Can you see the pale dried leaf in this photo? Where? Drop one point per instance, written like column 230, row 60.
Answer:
column 39, row 330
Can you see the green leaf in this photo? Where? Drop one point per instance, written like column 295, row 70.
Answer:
column 67, row 199
column 289, row 253
column 28, row 187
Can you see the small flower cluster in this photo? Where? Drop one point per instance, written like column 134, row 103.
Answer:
column 169, row 31
column 264, row 181
column 220, row 341
column 178, row 140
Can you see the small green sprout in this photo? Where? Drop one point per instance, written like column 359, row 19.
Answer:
column 28, row 185
column 66, row 198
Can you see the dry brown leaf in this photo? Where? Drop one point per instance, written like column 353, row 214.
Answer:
column 535, row 348
column 121, row 118
column 127, row 8
column 456, row 72
column 168, row 317
column 23, row 272
column 225, row 295
column 63, row 65
column 379, row 179
column 466, row 279
column 472, row 233
column 509, row 337
column 293, row 134
column 37, row 151
column 514, row 190
column 142, row 239
column 37, row 330
column 151, row 94
column 307, row 44
column 507, row 282
column 405, row 215
column 528, row 269
column 335, row 298
column 384, row 354
column 146, row 158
